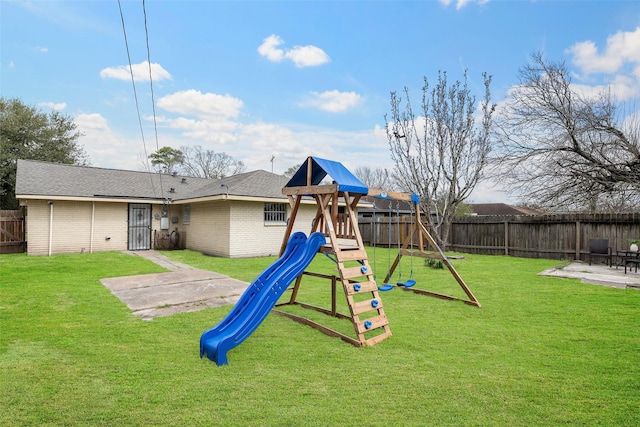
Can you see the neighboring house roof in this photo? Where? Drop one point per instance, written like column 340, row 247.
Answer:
column 502, row 209
column 386, row 206
column 44, row 179
column 320, row 168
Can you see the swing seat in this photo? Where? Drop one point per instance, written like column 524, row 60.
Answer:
column 385, row 287
column 409, row 283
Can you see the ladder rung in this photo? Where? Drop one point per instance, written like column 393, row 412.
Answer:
column 367, row 305
column 351, row 272
column 352, row 255
column 375, row 340
column 376, row 322
column 361, row 286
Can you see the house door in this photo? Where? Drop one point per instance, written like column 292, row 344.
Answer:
column 139, row 227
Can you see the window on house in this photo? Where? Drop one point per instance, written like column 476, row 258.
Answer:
column 186, row 214
column 275, row 213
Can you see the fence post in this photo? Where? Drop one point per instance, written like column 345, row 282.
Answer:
column 577, row 257
column 506, row 238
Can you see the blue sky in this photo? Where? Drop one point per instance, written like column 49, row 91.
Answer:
column 257, row 79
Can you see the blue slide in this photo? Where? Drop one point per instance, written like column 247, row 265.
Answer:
column 260, row 297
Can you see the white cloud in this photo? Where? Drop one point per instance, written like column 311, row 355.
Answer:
column 462, row 3
column 93, row 121
column 621, row 88
column 12, row 65
column 54, row 106
column 215, row 115
column 334, row 101
column 307, row 56
column 269, row 48
column 140, row 72
column 200, row 104
column 618, row 64
column 105, row 149
column 301, row 56
column 257, row 142
column 622, row 48
column 490, row 191
column 220, row 131
column 270, row 137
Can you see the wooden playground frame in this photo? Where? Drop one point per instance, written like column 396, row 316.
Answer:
column 345, row 244
column 423, row 235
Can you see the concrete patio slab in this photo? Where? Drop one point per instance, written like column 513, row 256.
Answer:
column 182, row 290
column 597, row 274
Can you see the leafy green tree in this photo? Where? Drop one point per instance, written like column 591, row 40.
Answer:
column 166, row 159
column 29, row 134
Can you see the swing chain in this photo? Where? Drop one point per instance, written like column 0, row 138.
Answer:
column 398, row 234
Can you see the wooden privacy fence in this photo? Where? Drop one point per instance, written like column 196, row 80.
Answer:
column 12, row 232
column 562, row 236
column 383, row 230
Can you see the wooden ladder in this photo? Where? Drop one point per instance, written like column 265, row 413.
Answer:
column 365, row 306
column 360, row 288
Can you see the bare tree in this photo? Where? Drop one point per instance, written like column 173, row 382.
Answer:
column 564, row 150
column 292, row 170
column 208, row 164
column 442, row 154
column 374, row 178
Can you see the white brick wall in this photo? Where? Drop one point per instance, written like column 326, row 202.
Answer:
column 71, row 231
column 232, row 229
column 251, row 236
column 111, row 219
column 208, row 229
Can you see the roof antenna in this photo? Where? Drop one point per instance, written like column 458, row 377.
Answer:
column 272, row 159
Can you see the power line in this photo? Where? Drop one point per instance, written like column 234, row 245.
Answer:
column 135, row 95
column 153, row 101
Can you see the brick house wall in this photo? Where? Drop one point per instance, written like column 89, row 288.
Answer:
column 232, row 229
column 72, row 226
column 71, row 230
column 208, row 228
column 236, row 229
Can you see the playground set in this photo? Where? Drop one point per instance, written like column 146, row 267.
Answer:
column 334, row 233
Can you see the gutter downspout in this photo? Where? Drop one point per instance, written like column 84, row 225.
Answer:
column 93, row 221
column 50, row 226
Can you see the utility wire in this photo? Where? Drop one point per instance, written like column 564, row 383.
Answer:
column 135, row 95
column 153, row 101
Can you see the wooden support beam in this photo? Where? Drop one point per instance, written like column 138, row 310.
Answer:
column 310, row 190
column 324, row 329
column 407, row 197
column 292, row 220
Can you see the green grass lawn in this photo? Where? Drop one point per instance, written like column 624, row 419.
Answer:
column 540, row 351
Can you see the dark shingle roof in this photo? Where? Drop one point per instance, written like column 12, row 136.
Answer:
column 36, row 178
column 502, row 209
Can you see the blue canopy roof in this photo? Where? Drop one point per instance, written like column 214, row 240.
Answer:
column 320, row 168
